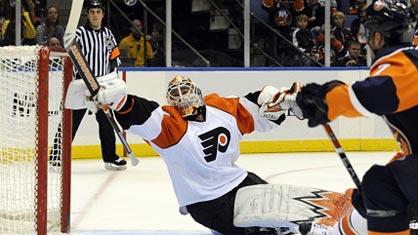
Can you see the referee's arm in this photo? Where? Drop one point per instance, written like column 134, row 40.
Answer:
column 114, row 60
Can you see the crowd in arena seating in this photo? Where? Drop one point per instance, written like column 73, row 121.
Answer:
column 41, row 26
column 302, row 23
column 29, row 17
column 298, row 38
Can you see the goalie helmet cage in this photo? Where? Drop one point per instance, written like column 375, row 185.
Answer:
column 35, row 141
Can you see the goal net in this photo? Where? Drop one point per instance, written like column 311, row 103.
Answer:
column 35, row 141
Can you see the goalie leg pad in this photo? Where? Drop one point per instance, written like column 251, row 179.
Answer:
column 277, row 206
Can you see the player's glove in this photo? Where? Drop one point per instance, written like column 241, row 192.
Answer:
column 274, row 102
column 112, row 93
column 311, row 100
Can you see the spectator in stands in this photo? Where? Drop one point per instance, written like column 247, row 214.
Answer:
column 8, row 28
column 357, row 28
column 133, row 46
column 353, row 56
column 54, row 42
column 339, row 31
column 157, row 43
column 303, row 39
column 268, row 4
column 318, row 51
column 316, row 14
column 299, row 6
column 29, row 6
column 281, row 19
column 338, row 50
column 281, row 12
column 50, row 28
column 356, row 5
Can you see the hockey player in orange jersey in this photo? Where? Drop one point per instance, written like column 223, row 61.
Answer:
column 391, row 92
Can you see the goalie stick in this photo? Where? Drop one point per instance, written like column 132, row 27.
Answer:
column 341, row 154
column 85, row 72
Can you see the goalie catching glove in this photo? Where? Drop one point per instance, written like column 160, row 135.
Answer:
column 112, row 93
column 274, row 102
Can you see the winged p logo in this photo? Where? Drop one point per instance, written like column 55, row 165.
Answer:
column 214, row 141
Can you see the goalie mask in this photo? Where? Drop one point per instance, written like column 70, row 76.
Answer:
column 185, row 96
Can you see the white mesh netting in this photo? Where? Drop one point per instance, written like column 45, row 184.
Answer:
column 18, row 139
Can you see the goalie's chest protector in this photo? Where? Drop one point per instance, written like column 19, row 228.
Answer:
column 199, row 156
column 201, row 163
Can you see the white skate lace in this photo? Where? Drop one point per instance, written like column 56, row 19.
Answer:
column 318, row 229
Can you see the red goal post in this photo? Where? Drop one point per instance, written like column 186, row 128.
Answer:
column 35, row 141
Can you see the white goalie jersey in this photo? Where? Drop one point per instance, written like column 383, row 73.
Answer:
column 200, row 156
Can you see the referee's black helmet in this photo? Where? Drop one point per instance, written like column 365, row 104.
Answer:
column 95, row 4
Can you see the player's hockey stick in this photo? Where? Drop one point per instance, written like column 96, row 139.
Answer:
column 413, row 224
column 341, row 154
column 85, row 72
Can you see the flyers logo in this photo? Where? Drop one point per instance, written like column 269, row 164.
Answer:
column 214, row 141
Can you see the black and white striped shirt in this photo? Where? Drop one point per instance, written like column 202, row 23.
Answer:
column 99, row 48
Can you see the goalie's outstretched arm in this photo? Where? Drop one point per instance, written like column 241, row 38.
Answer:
column 129, row 110
column 136, row 111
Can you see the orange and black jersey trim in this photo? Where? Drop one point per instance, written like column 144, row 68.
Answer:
column 172, row 126
column 135, row 111
column 391, row 90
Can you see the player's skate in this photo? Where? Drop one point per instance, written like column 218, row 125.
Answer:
column 116, row 165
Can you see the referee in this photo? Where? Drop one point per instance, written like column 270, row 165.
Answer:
column 101, row 51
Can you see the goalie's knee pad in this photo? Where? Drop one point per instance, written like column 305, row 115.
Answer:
column 278, row 206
